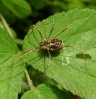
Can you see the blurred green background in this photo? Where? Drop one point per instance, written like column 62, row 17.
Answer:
column 21, row 14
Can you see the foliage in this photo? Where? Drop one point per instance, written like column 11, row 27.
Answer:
column 71, row 63
column 69, row 72
column 27, row 71
column 44, row 92
column 14, row 8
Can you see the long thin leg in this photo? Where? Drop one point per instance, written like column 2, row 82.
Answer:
column 68, row 26
column 51, row 29
column 61, row 31
column 49, row 55
column 30, row 34
column 64, row 29
column 41, row 34
column 29, row 40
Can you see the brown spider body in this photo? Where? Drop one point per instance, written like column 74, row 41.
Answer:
column 51, row 45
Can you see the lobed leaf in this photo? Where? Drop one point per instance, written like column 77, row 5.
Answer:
column 19, row 8
column 77, row 30
column 45, row 92
column 11, row 68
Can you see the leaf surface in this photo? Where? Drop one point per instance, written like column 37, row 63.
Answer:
column 45, row 92
column 10, row 68
column 19, row 8
column 74, row 67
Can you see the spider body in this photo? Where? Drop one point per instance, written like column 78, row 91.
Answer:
column 51, row 44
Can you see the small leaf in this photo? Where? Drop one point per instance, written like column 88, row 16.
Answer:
column 10, row 68
column 6, row 13
column 20, row 8
column 45, row 92
column 39, row 5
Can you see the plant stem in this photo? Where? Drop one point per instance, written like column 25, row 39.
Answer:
column 1, row 26
column 30, row 83
column 5, row 25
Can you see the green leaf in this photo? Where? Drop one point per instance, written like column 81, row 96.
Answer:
column 74, row 66
column 20, row 8
column 6, row 13
column 10, row 68
column 45, row 92
column 39, row 5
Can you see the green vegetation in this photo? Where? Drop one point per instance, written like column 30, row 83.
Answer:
column 53, row 59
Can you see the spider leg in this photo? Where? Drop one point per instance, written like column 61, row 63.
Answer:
column 51, row 28
column 41, row 34
column 49, row 56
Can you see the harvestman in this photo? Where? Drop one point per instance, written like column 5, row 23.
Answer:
column 50, row 45
column 53, row 45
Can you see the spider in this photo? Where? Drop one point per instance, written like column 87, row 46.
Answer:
column 48, row 44
column 51, row 45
